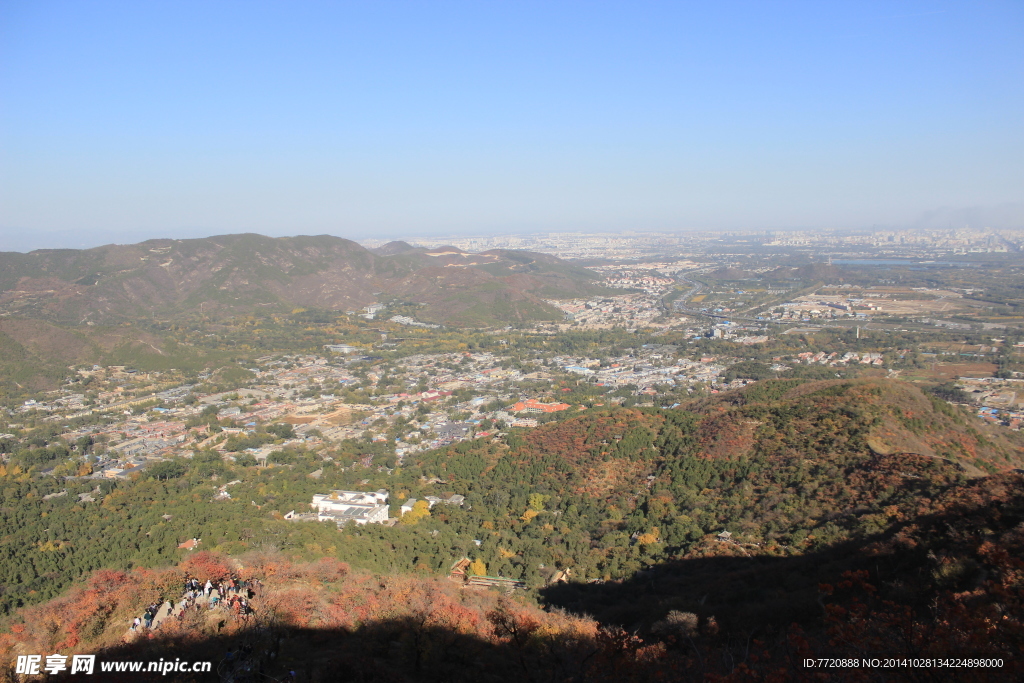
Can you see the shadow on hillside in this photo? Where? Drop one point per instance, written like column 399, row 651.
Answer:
column 751, row 595
column 390, row 651
column 739, row 592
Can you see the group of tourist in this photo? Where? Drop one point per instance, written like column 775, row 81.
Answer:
column 234, row 593
column 220, row 588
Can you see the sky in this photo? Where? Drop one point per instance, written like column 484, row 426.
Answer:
column 124, row 121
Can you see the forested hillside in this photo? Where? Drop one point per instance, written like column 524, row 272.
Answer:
column 945, row 584
column 785, row 467
column 733, row 508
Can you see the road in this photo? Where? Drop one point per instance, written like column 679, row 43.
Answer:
column 695, row 289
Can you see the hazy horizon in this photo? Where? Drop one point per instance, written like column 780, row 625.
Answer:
column 123, row 122
column 71, row 240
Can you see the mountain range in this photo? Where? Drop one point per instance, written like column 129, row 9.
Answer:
column 231, row 274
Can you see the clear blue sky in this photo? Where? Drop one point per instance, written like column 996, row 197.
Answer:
column 128, row 120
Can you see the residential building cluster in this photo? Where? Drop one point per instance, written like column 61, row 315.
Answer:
column 629, row 310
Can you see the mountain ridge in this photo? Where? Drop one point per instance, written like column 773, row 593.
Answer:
column 227, row 274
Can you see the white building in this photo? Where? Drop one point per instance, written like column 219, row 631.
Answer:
column 356, row 506
column 341, row 348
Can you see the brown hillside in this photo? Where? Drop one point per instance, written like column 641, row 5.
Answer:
column 898, row 417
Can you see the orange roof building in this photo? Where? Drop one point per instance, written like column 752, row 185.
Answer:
column 531, row 405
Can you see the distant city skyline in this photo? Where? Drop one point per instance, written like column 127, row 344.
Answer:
column 121, row 122
column 971, row 219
